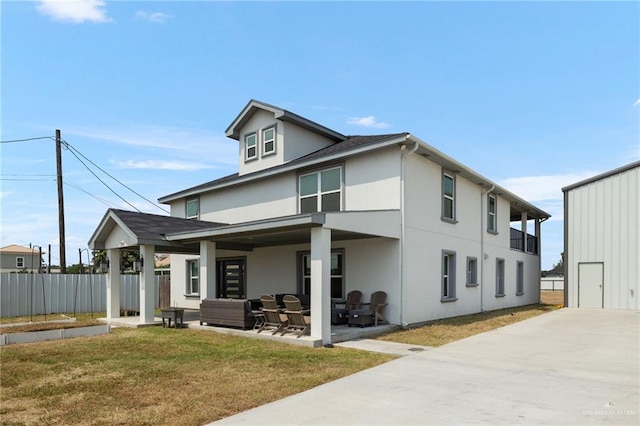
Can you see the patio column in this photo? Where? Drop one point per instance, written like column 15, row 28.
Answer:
column 113, row 284
column 321, row 284
column 147, row 285
column 207, row 270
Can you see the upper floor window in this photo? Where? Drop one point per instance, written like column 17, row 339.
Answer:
column 193, row 208
column 269, row 141
column 321, row 191
column 251, row 146
column 448, row 197
column 492, row 207
column 19, row 262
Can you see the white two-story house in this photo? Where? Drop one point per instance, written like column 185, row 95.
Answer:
column 315, row 212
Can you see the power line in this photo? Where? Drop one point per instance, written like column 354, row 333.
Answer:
column 28, row 139
column 28, row 179
column 88, row 193
column 74, row 150
column 97, row 177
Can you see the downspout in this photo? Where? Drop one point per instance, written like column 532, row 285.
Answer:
column 482, row 224
column 403, row 150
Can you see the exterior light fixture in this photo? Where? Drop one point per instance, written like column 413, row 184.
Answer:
column 104, row 266
column 138, row 264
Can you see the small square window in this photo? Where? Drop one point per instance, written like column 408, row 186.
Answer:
column 19, row 262
column 193, row 208
column 269, row 141
column 251, row 147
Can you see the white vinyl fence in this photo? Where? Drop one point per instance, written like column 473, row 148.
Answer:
column 552, row 283
column 36, row 294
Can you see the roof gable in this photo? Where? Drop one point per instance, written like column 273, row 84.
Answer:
column 234, row 129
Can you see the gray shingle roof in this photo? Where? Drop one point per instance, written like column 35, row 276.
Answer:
column 148, row 226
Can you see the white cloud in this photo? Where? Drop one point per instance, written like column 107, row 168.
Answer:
column 164, row 165
column 76, row 11
column 637, row 103
column 155, row 17
column 368, row 121
column 543, row 188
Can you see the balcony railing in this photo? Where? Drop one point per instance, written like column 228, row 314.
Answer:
column 518, row 242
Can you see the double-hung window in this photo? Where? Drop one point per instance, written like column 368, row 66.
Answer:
column 337, row 273
column 519, row 278
column 492, row 207
column 448, row 197
column 448, row 276
column 321, row 191
column 192, row 208
column 193, row 278
column 19, row 262
column 251, row 146
column 472, row 271
column 500, row 278
column 268, row 141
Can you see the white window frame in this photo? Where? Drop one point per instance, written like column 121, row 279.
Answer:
column 319, row 192
column 519, row 278
column 265, row 141
column 472, row 271
column 247, row 147
column 191, row 278
column 186, row 208
column 447, row 197
column 20, row 262
column 448, row 282
column 492, row 216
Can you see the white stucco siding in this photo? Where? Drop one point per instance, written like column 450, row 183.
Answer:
column 259, row 121
column 372, row 181
column 603, row 225
column 299, row 142
column 262, row 199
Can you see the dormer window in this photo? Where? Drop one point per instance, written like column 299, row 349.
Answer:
column 251, row 146
column 192, row 208
column 268, row 141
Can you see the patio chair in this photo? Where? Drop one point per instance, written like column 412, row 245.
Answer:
column 298, row 319
column 341, row 315
column 274, row 318
column 372, row 314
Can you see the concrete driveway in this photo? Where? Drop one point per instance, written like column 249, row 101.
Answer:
column 571, row 366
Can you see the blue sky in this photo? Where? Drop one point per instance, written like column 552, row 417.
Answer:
column 533, row 95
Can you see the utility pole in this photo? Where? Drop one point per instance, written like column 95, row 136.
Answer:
column 63, row 256
column 49, row 262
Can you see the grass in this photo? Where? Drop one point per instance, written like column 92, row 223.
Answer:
column 166, row 376
column 50, row 322
column 441, row 332
column 160, row 376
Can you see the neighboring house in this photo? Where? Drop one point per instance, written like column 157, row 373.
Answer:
column 15, row 258
column 602, row 240
column 315, row 212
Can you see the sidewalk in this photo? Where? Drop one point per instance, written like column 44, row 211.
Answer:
column 567, row 367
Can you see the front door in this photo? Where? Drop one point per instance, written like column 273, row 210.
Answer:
column 230, row 278
column 590, row 284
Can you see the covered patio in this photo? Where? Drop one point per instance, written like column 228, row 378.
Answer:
column 148, row 234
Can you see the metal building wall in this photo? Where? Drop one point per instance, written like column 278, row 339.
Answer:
column 602, row 219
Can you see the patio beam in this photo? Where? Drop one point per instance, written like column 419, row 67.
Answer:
column 321, row 284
